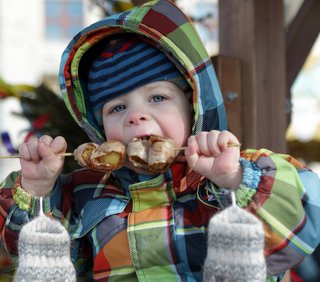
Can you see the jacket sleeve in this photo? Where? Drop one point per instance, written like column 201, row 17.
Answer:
column 287, row 199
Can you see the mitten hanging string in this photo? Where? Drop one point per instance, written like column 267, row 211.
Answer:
column 233, row 198
column 41, row 213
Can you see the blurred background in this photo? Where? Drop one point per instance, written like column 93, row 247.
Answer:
column 237, row 34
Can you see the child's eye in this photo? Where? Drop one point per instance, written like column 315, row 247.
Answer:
column 117, row 108
column 158, row 98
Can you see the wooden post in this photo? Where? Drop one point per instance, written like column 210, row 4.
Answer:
column 229, row 75
column 254, row 32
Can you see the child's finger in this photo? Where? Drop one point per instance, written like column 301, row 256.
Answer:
column 44, row 146
column 45, row 151
column 31, row 150
column 24, row 152
column 59, row 145
column 51, row 162
column 191, row 152
column 225, row 138
column 45, row 139
column 202, row 140
column 47, row 148
column 214, row 148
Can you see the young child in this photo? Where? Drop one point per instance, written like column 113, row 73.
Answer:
column 134, row 74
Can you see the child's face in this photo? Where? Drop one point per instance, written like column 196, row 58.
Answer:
column 159, row 108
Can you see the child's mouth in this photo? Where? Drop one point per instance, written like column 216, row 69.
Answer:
column 152, row 152
column 145, row 137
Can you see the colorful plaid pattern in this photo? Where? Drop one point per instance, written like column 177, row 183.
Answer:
column 294, row 232
column 155, row 230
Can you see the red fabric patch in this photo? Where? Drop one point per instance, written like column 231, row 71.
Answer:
column 101, row 264
column 154, row 19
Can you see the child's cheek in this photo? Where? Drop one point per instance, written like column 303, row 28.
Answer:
column 112, row 132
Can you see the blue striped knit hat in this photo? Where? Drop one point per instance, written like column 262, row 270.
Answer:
column 124, row 64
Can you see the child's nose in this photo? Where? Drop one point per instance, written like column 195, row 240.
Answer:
column 137, row 118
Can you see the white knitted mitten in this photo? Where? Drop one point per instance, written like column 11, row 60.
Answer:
column 44, row 252
column 235, row 248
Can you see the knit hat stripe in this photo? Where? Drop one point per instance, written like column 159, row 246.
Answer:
column 126, row 69
column 127, row 83
column 111, row 94
column 137, row 51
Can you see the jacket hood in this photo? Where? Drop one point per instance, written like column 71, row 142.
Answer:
column 162, row 24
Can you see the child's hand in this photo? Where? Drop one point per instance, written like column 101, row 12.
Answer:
column 209, row 155
column 41, row 164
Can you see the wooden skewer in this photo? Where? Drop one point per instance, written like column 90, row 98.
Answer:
column 234, row 145
column 18, row 157
column 66, row 154
column 9, row 157
column 72, row 154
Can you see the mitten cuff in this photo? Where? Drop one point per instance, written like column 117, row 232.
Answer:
column 251, row 174
column 22, row 198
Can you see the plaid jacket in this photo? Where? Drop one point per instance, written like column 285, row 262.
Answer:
column 156, row 230
column 133, row 229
